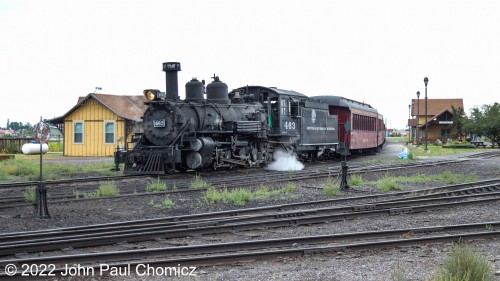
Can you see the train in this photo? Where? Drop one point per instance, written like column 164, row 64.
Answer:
column 214, row 128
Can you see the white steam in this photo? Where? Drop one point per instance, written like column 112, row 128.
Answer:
column 284, row 161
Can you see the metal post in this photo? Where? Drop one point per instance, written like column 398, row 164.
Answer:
column 409, row 127
column 418, row 117
column 343, row 183
column 426, row 80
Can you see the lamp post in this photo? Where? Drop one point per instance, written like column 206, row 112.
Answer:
column 426, row 80
column 418, row 116
column 409, row 127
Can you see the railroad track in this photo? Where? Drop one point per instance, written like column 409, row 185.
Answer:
column 50, row 183
column 224, row 253
column 234, row 181
column 247, row 219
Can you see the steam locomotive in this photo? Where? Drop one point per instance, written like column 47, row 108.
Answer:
column 241, row 128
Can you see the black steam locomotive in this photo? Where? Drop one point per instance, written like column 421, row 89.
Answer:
column 244, row 127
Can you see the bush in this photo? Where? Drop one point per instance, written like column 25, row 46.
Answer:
column 459, row 145
column 10, row 149
column 56, row 146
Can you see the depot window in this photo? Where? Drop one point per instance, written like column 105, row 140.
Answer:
column 78, row 132
column 109, row 132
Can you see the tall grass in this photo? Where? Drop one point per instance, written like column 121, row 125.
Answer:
column 464, row 264
column 16, row 167
column 27, row 167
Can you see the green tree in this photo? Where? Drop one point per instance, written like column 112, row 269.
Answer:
column 459, row 121
column 485, row 121
column 16, row 125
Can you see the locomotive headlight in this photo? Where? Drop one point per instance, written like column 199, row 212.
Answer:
column 150, row 94
column 153, row 95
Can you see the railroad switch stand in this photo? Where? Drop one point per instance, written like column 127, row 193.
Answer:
column 343, row 183
column 41, row 132
column 41, row 209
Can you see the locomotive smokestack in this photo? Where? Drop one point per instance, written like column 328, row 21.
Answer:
column 172, row 89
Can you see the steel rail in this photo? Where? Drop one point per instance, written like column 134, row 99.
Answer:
column 207, row 254
column 277, row 210
column 245, row 223
column 221, row 183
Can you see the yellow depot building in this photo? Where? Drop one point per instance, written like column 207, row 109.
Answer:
column 100, row 123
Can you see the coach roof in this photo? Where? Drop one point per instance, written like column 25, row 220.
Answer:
column 345, row 102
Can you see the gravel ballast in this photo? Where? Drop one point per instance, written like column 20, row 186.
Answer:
column 419, row 262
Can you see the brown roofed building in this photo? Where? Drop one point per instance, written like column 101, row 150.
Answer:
column 100, row 123
column 439, row 119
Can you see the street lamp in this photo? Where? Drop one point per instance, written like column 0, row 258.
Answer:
column 418, row 116
column 409, row 127
column 426, row 80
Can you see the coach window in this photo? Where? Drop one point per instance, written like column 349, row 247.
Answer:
column 109, row 132
column 77, row 132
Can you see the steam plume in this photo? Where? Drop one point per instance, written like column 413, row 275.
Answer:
column 284, row 161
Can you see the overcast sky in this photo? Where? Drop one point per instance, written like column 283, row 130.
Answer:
column 379, row 52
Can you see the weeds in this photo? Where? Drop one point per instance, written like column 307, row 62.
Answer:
column 398, row 271
column 107, row 189
column 167, row 203
column 290, row 187
column 30, row 195
column 156, row 186
column 356, row 180
column 464, row 264
column 331, row 187
column 387, row 183
column 78, row 194
column 451, row 178
column 241, row 196
column 152, row 203
column 198, row 183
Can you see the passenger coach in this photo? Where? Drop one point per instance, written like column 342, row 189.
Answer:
column 361, row 127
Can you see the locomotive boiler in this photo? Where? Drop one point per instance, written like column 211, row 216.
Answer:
column 215, row 128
